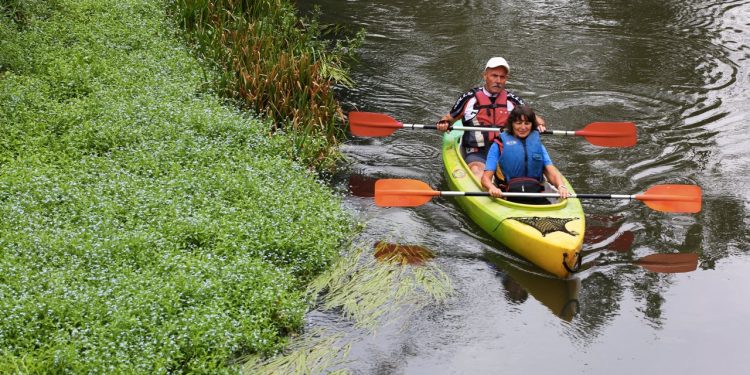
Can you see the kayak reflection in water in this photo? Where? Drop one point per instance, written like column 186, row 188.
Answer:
column 514, row 292
column 518, row 161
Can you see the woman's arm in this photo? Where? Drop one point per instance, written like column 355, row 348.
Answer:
column 490, row 168
column 555, row 178
column 489, row 186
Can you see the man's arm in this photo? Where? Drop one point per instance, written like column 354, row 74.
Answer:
column 456, row 111
column 515, row 98
column 445, row 122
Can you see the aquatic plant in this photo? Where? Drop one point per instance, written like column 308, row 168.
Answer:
column 369, row 291
column 316, row 352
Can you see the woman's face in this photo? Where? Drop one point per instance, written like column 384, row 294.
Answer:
column 522, row 127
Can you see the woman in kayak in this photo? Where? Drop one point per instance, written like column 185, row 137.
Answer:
column 519, row 161
column 485, row 106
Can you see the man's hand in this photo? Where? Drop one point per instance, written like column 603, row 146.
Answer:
column 541, row 124
column 443, row 125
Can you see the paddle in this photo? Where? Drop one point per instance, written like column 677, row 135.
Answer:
column 606, row 134
column 412, row 193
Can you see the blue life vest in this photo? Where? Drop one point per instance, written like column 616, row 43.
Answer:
column 519, row 159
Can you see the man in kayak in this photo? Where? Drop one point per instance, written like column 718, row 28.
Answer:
column 520, row 157
column 486, row 106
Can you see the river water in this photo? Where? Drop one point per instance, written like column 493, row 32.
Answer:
column 679, row 69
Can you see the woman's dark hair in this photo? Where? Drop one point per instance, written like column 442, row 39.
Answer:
column 518, row 113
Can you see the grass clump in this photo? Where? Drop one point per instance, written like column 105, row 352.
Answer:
column 146, row 226
column 277, row 64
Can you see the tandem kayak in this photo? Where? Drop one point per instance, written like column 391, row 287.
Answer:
column 550, row 236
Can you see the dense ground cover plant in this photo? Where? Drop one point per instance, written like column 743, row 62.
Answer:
column 277, row 64
column 145, row 226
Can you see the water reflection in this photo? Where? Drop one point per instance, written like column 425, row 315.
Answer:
column 361, row 185
column 559, row 296
column 608, row 233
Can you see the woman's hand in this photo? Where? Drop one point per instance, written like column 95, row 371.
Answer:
column 563, row 190
column 489, row 186
column 496, row 192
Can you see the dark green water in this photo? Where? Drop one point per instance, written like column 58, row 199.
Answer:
column 680, row 70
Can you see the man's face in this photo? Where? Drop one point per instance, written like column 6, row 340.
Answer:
column 495, row 79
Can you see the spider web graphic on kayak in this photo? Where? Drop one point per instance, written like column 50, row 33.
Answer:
column 547, row 225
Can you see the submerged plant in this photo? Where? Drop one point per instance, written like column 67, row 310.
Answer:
column 367, row 290
column 316, row 353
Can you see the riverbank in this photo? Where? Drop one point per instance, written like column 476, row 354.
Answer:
column 147, row 226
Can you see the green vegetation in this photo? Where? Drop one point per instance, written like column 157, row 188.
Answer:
column 366, row 291
column 146, row 226
column 277, row 64
column 370, row 291
column 317, row 352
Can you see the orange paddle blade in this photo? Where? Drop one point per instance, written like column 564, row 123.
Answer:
column 610, row 134
column 402, row 193
column 370, row 124
column 673, row 198
column 669, row 263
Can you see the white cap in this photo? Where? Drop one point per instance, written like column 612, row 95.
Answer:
column 495, row 62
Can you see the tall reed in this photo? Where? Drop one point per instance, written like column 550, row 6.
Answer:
column 278, row 64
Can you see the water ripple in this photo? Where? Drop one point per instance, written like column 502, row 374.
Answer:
column 678, row 69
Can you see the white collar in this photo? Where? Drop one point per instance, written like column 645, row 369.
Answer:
column 491, row 95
